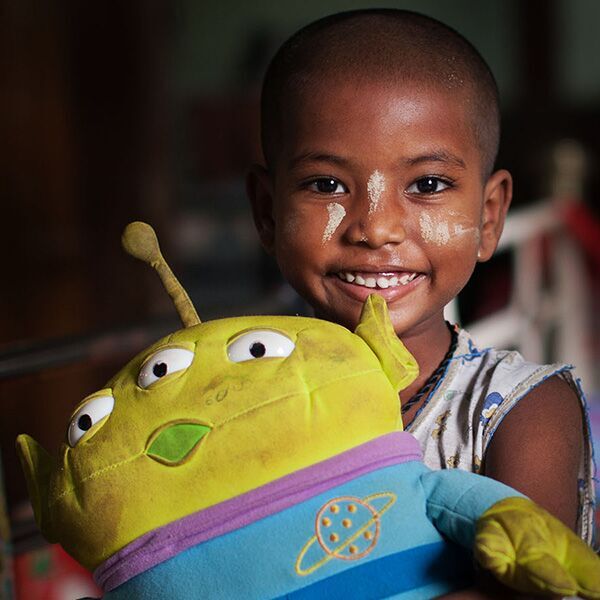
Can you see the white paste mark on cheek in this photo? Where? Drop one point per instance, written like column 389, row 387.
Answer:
column 434, row 231
column 440, row 233
column 375, row 187
column 460, row 230
column 336, row 214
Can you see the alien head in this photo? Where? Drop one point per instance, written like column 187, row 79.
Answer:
column 210, row 412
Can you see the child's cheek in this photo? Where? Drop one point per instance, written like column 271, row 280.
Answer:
column 447, row 229
column 322, row 220
column 336, row 214
column 292, row 225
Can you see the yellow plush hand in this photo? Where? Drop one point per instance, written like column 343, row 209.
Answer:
column 527, row 548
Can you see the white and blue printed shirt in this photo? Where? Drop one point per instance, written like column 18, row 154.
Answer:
column 478, row 389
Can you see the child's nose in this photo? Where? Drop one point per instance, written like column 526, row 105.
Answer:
column 377, row 225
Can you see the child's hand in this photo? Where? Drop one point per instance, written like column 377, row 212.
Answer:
column 543, row 556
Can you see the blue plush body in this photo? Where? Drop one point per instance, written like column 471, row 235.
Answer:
column 408, row 509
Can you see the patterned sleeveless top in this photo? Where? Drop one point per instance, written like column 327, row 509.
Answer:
column 478, row 389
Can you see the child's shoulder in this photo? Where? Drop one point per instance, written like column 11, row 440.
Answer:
column 482, row 385
column 495, row 381
column 520, row 422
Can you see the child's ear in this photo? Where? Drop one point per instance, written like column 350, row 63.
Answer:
column 260, row 192
column 496, row 200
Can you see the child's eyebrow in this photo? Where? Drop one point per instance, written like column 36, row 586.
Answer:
column 319, row 157
column 436, row 156
column 442, row 156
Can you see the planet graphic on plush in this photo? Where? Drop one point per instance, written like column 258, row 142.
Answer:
column 346, row 528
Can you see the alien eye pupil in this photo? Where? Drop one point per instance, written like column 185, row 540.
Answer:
column 159, row 369
column 84, row 422
column 258, row 350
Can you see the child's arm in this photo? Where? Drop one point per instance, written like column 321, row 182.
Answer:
column 537, row 448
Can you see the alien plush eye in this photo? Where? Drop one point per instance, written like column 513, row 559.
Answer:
column 162, row 363
column 87, row 416
column 260, row 343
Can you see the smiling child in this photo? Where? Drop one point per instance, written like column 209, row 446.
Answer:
column 380, row 132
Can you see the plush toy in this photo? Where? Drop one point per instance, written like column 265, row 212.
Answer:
column 264, row 457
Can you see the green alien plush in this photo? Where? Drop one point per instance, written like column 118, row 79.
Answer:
column 264, row 457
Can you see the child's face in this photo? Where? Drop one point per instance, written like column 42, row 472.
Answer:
column 379, row 189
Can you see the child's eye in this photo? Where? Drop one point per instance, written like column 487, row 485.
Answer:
column 428, row 185
column 327, row 185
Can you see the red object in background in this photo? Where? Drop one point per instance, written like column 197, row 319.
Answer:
column 49, row 573
column 585, row 227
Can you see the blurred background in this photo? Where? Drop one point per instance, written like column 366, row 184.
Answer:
column 148, row 110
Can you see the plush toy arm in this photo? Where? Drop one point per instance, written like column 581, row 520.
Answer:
column 37, row 465
column 530, row 550
column 520, row 543
column 456, row 499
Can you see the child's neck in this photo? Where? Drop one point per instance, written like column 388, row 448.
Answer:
column 429, row 349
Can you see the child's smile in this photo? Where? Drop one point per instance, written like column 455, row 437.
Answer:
column 379, row 188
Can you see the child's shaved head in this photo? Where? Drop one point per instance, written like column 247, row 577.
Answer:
column 387, row 45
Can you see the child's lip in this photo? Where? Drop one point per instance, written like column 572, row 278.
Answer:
column 379, row 279
column 391, row 293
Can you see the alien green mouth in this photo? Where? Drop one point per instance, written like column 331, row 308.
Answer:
column 173, row 443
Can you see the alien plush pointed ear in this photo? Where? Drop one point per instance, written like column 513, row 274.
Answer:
column 140, row 241
column 38, row 466
column 375, row 328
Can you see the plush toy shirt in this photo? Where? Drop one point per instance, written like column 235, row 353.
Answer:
column 345, row 528
column 263, row 457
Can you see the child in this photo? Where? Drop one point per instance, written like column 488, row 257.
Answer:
column 380, row 131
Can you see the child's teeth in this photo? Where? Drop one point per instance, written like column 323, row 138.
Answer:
column 379, row 282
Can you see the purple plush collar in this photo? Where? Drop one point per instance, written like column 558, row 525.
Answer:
column 161, row 544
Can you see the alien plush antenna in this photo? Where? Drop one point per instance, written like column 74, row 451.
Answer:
column 140, row 241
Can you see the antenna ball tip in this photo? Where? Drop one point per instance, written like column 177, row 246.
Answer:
column 140, row 241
